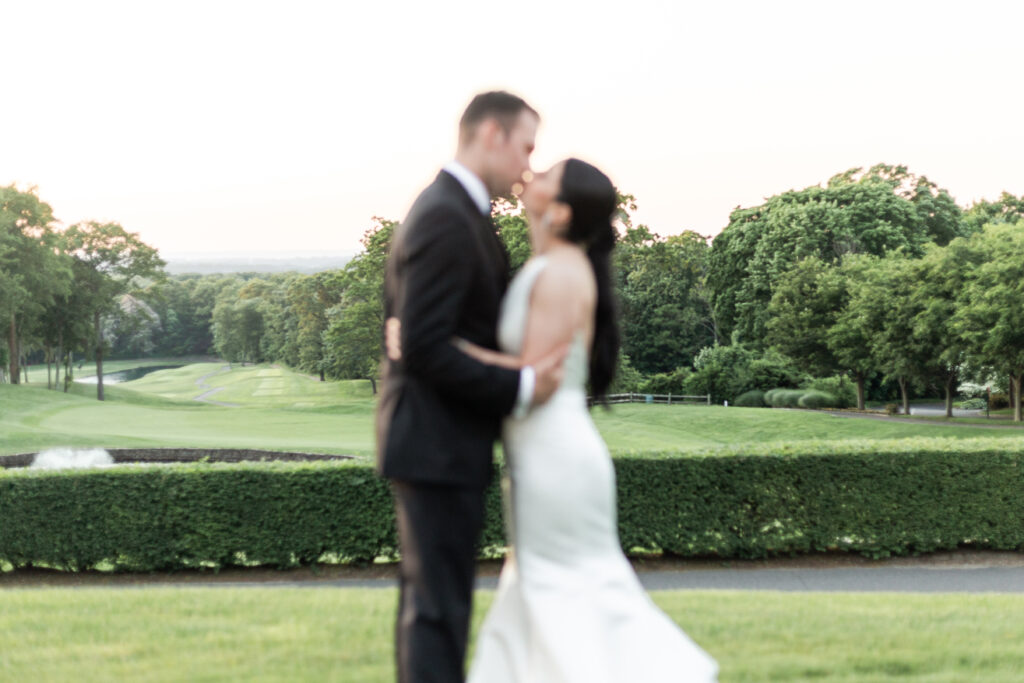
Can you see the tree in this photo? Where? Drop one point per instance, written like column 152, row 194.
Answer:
column 108, row 261
column 939, row 279
column 881, row 211
column 513, row 230
column 852, row 334
column 802, row 310
column 132, row 327
column 238, row 328
column 884, row 295
column 721, row 371
column 352, row 339
column 1006, row 209
column 989, row 313
column 666, row 316
column 309, row 298
column 32, row 270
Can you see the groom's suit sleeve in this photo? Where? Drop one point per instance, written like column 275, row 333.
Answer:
column 439, row 268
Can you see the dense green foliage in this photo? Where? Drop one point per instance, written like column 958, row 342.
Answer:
column 876, row 275
column 883, row 210
column 753, row 501
column 751, row 399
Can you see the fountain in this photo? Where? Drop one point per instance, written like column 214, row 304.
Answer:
column 70, row 458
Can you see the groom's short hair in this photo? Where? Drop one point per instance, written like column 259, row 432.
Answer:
column 499, row 105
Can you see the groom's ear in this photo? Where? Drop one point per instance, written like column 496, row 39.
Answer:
column 490, row 133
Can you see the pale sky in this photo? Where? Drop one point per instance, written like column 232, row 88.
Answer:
column 284, row 127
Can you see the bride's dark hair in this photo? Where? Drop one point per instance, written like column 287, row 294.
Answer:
column 593, row 200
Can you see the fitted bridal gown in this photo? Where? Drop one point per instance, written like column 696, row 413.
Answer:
column 569, row 607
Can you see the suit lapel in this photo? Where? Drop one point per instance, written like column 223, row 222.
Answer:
column 489, row 241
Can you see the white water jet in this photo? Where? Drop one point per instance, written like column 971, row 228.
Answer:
column 69, row 458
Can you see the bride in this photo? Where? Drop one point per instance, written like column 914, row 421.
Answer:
column 568, row 606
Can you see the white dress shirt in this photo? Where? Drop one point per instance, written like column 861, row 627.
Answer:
column 477, row 191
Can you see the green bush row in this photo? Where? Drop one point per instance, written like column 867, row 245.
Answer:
column 875, row 498
column 799, row 398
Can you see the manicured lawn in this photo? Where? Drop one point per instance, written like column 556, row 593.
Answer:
column 658, row 427
column 276, row 408
column 318, row 634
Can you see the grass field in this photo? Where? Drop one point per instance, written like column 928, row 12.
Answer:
column 276, row 408
column 328, row 634
column 325, row 634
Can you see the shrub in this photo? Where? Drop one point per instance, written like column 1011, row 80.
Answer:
column 666, row 382
column 627, row 378
column 722, row 371
column 971, row 404
column 774, row 370
column 999, row 401
column 786, row 398
column 876, row 498
column 840, row 387
column 817, row 400
column 892, row 408
column 751, row 399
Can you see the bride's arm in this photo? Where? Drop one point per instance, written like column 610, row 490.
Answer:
column 487, row 356
column 393, row 327
column 562, row 298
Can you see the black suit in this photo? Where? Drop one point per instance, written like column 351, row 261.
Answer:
column 438, row 417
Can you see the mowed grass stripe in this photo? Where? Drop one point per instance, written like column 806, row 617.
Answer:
column 315, row 634
column 297, row 412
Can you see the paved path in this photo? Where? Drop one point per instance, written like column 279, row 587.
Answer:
column 995, row 424
column 875, row 580
column 205, row 397
column 956, row 572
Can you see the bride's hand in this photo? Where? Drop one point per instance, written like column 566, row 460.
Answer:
column 393, row 338
column 487, row 356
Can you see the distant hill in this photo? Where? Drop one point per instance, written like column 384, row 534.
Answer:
column 207, row 264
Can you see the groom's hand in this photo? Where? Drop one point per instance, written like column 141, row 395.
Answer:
column 549, row 372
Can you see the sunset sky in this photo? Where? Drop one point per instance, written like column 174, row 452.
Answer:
column 284, row 127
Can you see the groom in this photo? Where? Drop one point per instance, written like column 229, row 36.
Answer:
column 440, row 411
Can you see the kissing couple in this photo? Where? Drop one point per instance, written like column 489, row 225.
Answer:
column 469, row 357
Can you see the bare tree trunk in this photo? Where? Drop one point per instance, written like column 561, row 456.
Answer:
column 949, row 393
column 69, row 372
column 12, row 348
column 49, row 362
column 906, row 397
column 1015, row 385
column 859, row 378
column 1013, row 393
column 373, row 384
column 99, row 357
column 59, row 359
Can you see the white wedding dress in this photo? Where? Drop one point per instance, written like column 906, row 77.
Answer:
column 569, row 608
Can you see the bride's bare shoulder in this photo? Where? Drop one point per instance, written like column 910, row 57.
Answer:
column 567, row 274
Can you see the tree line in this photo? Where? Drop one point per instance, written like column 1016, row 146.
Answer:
column 57, row 287
column 875, row 282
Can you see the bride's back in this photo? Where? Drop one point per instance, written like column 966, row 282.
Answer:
column 551, row 302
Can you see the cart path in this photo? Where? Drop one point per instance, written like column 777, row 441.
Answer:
column 911, row 420
column 205, row 397
column 964, row 571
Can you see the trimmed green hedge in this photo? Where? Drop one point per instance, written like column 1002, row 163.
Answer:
column 816, row 400
column 875, row 498
column 751, row 399
column 784, row 398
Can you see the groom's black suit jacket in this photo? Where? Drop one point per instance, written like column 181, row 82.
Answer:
column 440, row 410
